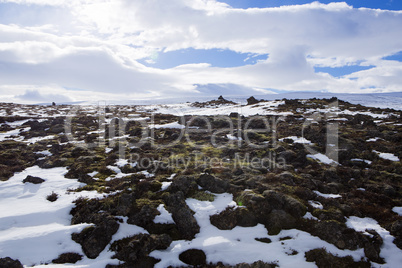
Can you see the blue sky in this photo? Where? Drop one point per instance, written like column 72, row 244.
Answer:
column 129, row 49
column 381, row 4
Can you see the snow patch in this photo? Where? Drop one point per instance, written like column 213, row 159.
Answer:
column 389, row 251
column 315, row 204
column 165, row 217
column 32, row 229
column 322, row 158
column 397, row 210
column 362, row 160
column 387, row 156
column 296, row 139
column 327, row 195
column 239, row 245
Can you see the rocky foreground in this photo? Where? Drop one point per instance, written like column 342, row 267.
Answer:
column 274, row 183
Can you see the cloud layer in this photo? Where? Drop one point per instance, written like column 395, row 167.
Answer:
column 96, row 46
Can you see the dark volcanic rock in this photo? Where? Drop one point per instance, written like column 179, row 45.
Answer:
column 324, row 259
column 68, row 258
column 275, row 210
column 339, row 235
column 125, row 204
column 372, row 247
column 257, row 264
column 144, row 217
column 94, row 239
column 182, row 215
column 134, row 250
column 230, row 218
column 213, row 184
column 285, row 202
column 193, row 257
column 396, row 230
column 278, row 220
column 7, row 262
column 252, row 100
column 33, row 179
column 186, row 184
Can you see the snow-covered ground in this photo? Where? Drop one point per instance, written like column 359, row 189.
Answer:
column 239, row 244
column 179, row 109
column 381, row 100
column 33, row 229
column 36, row 231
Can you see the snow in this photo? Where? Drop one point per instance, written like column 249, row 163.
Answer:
column 389, row 251
column 32, row 229
column 46, row 153
column 362, row 160
column 108, row 150
column 397, row 210
column 165, row 217
column 262, row 108
column 36, row 139
column 327, row 195
column 239, row 245
column 387, row 156
column 17, row 123
column 126, row 230
column 114, row 169
column 297, row 139
column 171, row 176
column 146, row 174
column 231, row 137
column 322, row 158
column 7, row 135
column 374, row 115
column 93, row 173
column 169, row 125
column 121, row 162
column 315, row 204
column 373, row 139
column 165, row 185
column 309, row 216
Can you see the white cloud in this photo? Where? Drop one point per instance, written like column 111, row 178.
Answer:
column 36, row 96
column 97, row 50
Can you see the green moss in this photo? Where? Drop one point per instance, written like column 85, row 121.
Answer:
column 203, row 196
column 211, row 151
column 145, row 201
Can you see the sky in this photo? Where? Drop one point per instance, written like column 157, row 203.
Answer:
column 90, row 50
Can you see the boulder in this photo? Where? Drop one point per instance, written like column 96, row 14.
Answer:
column 182, row 215
column 285, row 202
column 185, row 184
column 278, row 220
column 193, row 257
column 94, row 239
column 252, row 100
column 257, row 264
column 372, row 247
column 67, row 258
column 33, row 179
column 212, row 184
column 230, row 218
column 144, row 217
column 338, row 234
column 134, row 250
column 275, row 210
column 396, row 230
column 323, row 259
column 7, row 262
